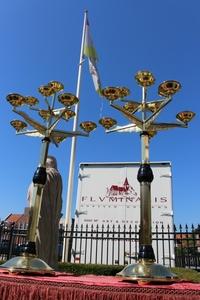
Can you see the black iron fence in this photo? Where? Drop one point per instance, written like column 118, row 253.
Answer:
column 11, row 238
column 177, row 246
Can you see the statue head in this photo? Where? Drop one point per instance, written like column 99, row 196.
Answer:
column 51, row 162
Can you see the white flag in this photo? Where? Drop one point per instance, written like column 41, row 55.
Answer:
column 91, row 54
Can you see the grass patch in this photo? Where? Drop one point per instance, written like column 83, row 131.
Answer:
column 187, row 274
column 109, row 270
column 83, row 269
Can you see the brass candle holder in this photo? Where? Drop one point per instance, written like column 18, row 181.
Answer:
column 145, row 270
column 28, row 262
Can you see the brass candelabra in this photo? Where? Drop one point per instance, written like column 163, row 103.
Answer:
column 28, row 262
column 145, row 270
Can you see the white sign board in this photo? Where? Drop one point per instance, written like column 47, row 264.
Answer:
column 109, row 194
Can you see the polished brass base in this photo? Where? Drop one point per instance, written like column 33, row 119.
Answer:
column 27, row 264
column 146, row 272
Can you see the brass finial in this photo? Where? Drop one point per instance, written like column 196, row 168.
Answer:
column 15, row 99
column 123, row 91
column 46, row 90
column 18, row 125
column 67, row 99
column 45, row 114
column 169, row 88
column 29, row 100
column 88, row 126
column 144, row 78
column 111, row 93
column 56, row 86
column 107, row 122
column 68, row 114
column 185, row 116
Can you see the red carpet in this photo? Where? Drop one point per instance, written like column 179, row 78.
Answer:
column 90, row 287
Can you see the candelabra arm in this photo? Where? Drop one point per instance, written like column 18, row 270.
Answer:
column 166, row 126
column 41, row 128
column 51, row 111
column 47, row 103
column 151, row 118
column 129, row 115
column 33, row 108
column 53, row 101
column 126, row 128
column 57, row 119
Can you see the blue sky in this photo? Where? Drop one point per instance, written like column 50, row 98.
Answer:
column 40, row 41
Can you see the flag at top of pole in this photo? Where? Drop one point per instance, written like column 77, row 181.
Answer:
column 90, row 52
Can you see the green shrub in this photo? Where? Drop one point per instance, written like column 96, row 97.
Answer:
column 109, row 270
column 81, row 269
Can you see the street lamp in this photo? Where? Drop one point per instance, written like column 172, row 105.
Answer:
column 146, row 269
column 28, row 262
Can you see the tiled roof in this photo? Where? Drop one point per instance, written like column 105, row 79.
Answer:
column 17, row 218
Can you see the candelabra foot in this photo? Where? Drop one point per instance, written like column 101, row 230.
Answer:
column 27, row 263
column 146, row 272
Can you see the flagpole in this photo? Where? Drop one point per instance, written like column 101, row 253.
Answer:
column 70, row 184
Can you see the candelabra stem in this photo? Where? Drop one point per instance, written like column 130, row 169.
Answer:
column 145, row 214
column 39, row 180
column 145, row 177
column 34, row 214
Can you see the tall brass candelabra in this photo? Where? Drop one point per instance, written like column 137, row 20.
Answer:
column 28, row 262
column 146, row 270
